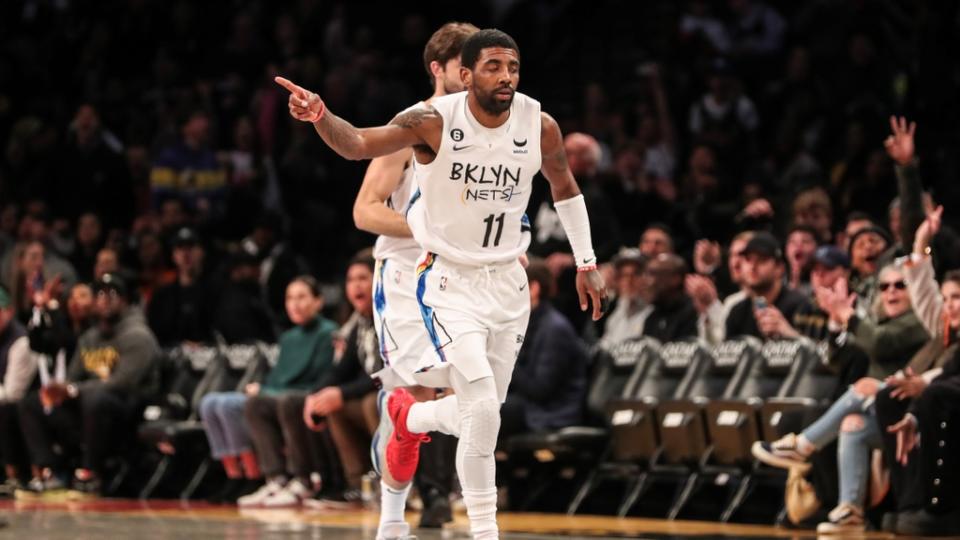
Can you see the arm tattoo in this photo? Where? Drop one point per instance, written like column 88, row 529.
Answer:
column 339, row 134
column 414, row 117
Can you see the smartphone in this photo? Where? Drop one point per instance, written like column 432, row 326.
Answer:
column 760, row 303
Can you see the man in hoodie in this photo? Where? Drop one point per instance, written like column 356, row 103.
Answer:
column 110, row 375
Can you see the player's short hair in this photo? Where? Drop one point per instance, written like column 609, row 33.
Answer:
column 446, row 43
column 486, row 38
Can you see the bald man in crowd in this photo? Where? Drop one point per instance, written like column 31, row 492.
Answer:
column 674, row 316
column 550, row 241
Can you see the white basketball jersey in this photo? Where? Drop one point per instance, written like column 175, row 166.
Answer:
column 474, row 194
column 403, row 250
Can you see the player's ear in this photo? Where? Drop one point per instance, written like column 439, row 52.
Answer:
column 436, row 69
column 466, row 77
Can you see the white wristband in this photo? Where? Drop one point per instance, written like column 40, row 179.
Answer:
column 576, row 223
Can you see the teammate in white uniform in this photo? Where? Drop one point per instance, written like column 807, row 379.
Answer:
column 380, row 208
column 480, row 150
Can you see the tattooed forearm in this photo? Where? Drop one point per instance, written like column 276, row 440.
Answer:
column 414, row 117
column 340, row 135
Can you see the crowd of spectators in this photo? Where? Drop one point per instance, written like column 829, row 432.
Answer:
column 739, row 159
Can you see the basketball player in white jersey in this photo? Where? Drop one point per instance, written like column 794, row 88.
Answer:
column 476, row 154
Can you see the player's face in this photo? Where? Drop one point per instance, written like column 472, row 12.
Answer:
column 452, row 83
column 494, row 79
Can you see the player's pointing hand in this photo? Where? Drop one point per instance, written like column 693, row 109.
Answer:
column 304, row 104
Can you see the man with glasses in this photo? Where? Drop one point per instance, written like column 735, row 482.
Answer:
column 111, row 373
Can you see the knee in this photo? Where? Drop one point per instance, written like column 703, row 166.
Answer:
column 866, row 387
column 290, row 407
column 852, row 423
column 484, row 426
column 208, row 407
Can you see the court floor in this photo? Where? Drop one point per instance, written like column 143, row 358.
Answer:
column 108, row 519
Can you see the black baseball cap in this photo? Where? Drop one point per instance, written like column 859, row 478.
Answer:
column 831, row 256
column 764, row 244
column 873, row 229
column 111, row 282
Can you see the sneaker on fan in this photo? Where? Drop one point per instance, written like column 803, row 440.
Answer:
column 844, row 519
column 395, row 530
column 294, row 493
column 783, row 452
column 403, row 448
column 259, row 496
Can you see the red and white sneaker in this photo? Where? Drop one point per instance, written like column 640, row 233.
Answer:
column 403, row 448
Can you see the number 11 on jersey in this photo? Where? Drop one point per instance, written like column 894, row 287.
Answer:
column 489, row 221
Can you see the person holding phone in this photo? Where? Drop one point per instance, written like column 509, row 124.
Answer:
column 770, row 308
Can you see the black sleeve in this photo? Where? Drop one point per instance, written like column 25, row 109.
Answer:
column 551, row 362
column 911, row 202
column 348, row 374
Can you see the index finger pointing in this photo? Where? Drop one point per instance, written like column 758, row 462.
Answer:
column 294, row 89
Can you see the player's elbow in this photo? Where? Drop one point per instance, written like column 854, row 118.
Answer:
column 360, row 218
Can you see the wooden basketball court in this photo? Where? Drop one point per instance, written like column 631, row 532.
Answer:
column 121, row 518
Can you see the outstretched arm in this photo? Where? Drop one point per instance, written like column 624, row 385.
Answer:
column 369, row 211
column 414, row 127
column 572, row 211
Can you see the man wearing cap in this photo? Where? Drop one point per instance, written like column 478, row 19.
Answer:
column 182, row 310
column 112, row 372
column 18, row 369
column 631, row 306
column 768, row 311
column 830, row 264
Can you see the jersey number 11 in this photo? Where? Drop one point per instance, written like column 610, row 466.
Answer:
column 489, row 221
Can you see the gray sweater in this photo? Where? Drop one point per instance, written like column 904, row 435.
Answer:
column 124, row 361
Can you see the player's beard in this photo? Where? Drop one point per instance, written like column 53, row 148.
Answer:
column 489, row 103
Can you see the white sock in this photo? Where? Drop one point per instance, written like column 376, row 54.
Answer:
column 440, row 415
column 482, row 511
column 392, row 503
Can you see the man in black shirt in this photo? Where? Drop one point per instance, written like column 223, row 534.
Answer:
column 674, row 317
column 770, row 309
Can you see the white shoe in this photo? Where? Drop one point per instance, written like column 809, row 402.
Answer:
column 395, row 530
column 259, row 496
column 291, row 495
column 378, row 446
column 844, row 519
column 783, row 453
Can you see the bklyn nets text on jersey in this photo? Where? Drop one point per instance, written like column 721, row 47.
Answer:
column 502, row 178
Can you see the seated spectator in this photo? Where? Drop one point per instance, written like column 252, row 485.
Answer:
column 31, row 275
column 110, row 376
column 53, row 329
column 189, row 171
column 673, row 317
column 829, row 264
column 801, row 243
column 702, row 286
column 306, row 353
column 181, row 311
column 550, row 380
column 151, row 265
column 656, row 239
column 347, row 396
column 89, row 241
column 927, row 501
column 18, row 368
column 889, row 344
column 630, row 308
column 812, row 208
column 905, row 392
column 769, row 309
column 241, row 315
column 867, row 246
